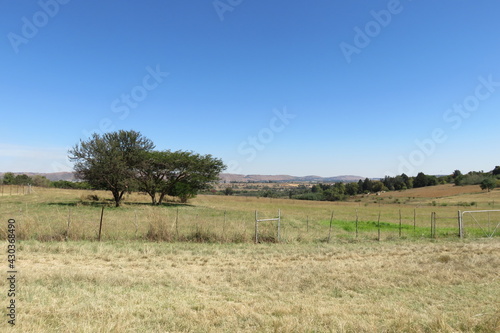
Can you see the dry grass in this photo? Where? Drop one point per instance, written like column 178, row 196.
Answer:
column 44, row 215
column 447, row 190
column 135, row 282
column 183, row 287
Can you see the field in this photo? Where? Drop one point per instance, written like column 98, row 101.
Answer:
column 194, row 268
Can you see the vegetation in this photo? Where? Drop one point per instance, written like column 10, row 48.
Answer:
column 193, row 268
column 124, row 161
column 109, row 161
column 344, row 191
column 397, row 286
column 178, row 174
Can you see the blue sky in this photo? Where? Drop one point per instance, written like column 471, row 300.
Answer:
column 325, row 88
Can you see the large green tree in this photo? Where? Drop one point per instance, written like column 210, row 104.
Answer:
column 488, row 184
column 8, row 178
column 110, row 161
column 180, row 174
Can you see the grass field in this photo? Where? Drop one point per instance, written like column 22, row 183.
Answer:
column 52, row 214
column 194, row 268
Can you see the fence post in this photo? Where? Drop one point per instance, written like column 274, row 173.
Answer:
column 330, row 230
column 69, row 222
column 100, row 223
column 378, row 226
column 279, row 224
column 460, row 225
column 224, row 227
column 256, row 229
column 414, row 220
column 135, row 223
column 356, row 223
column 400, row 225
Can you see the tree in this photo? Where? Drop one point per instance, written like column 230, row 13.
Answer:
column 110, row 161
column 421, row 180
column 488, row 184
column 360, row 186
column 8, row 178
column 496, row 171
column 22, row 180
column 195, row 172
column 408, row 181
column 229, row 191
column 377, row 186
column 351, row 188
column 180, row 174
column 367, row 185
column 41, row 181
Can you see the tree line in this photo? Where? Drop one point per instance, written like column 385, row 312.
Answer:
column 342, row 191
column 10, row 178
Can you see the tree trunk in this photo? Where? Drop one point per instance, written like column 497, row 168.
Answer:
column 116, row 197
column 153, row 197
column 160, row 200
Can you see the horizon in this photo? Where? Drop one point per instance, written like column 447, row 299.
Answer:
column 278, row 88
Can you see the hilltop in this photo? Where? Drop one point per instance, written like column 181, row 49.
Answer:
column 225, row 177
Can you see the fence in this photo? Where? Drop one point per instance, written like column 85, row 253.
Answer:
column 488, row 221
column 172, row 223
column 15, row 190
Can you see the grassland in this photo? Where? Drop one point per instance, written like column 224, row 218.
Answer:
column 51, row 214
column 193, row 268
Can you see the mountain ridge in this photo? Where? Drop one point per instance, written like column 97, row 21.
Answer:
column 225, row 177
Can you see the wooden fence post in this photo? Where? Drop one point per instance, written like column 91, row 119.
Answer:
column 330, row 231
column 378, row 225
column 256, row 229
column 100, row 223
column 279, row 224
column 400, row 223
column 69, row 222
column 414, row 220
column 356, row 223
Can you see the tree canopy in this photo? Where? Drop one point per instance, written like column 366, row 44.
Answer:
column 109, row 161
column 125, row 160
column 181, row 174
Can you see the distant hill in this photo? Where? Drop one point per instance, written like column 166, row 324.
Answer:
column 227, row 177
column 53, row 176
column 230, row 177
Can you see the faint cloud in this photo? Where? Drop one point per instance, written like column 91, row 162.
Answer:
column 19, row 158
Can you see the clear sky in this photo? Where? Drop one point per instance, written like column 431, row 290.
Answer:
column 296, row 87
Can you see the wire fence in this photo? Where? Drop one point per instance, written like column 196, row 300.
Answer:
column 184, row 223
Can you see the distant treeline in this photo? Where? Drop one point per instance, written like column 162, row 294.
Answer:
column 10, row 179
column 341, row 191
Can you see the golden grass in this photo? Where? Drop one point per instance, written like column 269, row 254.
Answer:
column 135, row 282
column 184, row 287
column 44, row 215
